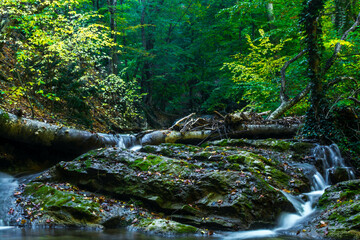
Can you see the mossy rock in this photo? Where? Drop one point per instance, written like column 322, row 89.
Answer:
column 340, row 205
column 145, row 164
column 343, row 234
column 63, row 207
column 165, row 227
column 169, row 184
column 301, row 147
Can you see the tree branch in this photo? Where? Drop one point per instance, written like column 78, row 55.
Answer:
column 354, row 99
column 337, row 48
column 283, row 95
column 337, row 80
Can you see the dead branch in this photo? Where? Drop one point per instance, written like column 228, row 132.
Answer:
column 181, row 120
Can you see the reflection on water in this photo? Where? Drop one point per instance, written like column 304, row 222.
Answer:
column 66, row 234
column 118, row 234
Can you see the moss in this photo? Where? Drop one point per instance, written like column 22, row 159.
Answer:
column 240, row 159
column 235, row 166
column 202, row 155
column 166, row 226
column 145, row 164
column 336, row 216
column 190, row 209
column 343, row 234
column 280, row 177
column 278, row 145
column 149, row 149
column 180, row 146
column 4, row 116
column 301, row 147
column 52, row 200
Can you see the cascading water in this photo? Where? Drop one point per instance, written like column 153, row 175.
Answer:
column 127, row 141
column 7, row 187
column 332, row 160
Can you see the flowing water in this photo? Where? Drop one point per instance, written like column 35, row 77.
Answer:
column 7, row 187
column 330, row 155
column 332, row 160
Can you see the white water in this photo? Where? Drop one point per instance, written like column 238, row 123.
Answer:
column 7, row 187
column 127, row 141
column 331, row 158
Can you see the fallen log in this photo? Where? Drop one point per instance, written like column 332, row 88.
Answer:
column 38, row 133
column 242, row 131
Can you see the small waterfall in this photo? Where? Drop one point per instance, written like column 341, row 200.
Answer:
column 7, row 187
column 127, row 141
column 332, row 160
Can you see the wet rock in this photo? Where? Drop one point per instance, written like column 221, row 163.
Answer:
column 214, row 186
column 339, row 174
column 164, row 226
column 340, row 212
column 226, row 196
column 65, row 205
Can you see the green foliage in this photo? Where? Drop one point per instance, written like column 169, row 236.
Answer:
column 120, row 98
column 257, row 72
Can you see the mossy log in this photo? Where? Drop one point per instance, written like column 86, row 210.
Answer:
column 241, row 131
column 47, row 135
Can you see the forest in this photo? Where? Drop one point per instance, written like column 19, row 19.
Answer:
column 132, row 66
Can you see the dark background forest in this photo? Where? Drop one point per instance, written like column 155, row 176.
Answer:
column 120, row 65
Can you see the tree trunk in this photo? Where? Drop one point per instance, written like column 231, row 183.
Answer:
column 46, row 135
column 112, row 9
column 242, row 131
column 270, row 14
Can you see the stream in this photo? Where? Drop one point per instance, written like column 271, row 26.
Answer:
column 304, row 204
column 332, row 160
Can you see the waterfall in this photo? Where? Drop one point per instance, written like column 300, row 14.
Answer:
column 127, row 141
column 7, row 187
column 332, row 161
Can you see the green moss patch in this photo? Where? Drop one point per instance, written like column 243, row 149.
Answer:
column 165, row 226
column 49, row 199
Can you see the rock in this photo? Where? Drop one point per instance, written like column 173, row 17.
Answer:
column 65, row 205
column 215, row 186
column 224, row 190
column 339, row 174
column 164, row 226
column 340, row 212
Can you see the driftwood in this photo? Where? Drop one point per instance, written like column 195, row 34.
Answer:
column 42, row 134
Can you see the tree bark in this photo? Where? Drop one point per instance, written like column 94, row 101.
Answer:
column 112, row 9
column 46, row 135
column 270, row 14
column 242, row 131
column 287, row 103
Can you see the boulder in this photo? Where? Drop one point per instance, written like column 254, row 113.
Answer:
column 339, row 216
column 221, row 192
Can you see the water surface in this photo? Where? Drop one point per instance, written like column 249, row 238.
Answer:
column 118, row 234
